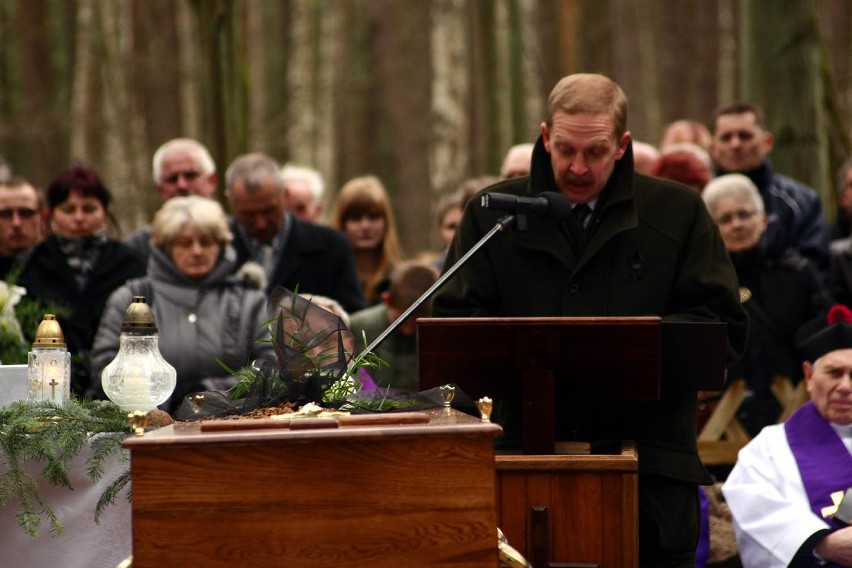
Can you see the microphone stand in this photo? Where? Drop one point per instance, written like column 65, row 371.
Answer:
column 502, row 224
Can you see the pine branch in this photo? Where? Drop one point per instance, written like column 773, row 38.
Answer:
column 110, row 494
column 47, row 433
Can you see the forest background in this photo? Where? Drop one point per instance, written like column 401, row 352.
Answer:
column 422, row 93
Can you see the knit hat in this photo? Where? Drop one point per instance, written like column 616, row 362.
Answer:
column 823, row 335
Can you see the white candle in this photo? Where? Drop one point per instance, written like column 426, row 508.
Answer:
column 137, row 391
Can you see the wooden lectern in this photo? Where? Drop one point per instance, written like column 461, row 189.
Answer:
column 579, row 509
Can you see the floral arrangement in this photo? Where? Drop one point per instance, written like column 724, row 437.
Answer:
column 314, row 353
column 19, row 318
column 13, row 346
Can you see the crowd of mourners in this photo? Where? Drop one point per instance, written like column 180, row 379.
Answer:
column 200, row 265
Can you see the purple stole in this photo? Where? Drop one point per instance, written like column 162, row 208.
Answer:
column 824, row 462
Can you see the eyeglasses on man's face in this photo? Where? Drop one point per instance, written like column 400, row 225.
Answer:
column 22, row 212
column 188, row 176
column 740, row 215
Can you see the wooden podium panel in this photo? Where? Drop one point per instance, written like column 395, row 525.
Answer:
column 567, row 510
column 552, row 377
column 355, row 496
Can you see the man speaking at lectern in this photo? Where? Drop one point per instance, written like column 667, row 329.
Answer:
column 632, row 246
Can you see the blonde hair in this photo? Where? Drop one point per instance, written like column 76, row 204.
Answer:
column 204, row 214
column 589, row 93
column 366, row 194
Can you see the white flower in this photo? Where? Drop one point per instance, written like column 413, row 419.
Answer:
column 9, row 298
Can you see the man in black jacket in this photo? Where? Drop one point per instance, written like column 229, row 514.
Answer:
column 741, row 144
column 644, row 246
column 295, row 254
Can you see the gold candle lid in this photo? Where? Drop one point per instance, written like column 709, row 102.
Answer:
column 49, row 334
column 139, row 318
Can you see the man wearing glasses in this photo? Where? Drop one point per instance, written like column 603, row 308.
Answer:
column 181, row 166
column 21, row 223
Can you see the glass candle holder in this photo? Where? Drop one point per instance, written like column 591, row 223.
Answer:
column 49, row 364
column 49, row 373
column 138, row 378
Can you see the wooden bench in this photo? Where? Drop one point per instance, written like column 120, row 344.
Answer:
column 722, row 436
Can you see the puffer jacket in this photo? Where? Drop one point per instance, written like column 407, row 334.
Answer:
column 218, row 317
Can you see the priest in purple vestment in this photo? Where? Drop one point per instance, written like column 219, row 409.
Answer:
column 785, row 487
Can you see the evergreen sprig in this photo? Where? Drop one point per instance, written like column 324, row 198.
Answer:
column 54, row 434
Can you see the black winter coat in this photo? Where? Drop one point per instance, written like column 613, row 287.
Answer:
column 652, row 250
column 46, row 275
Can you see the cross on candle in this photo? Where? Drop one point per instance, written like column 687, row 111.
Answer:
column 52, row 377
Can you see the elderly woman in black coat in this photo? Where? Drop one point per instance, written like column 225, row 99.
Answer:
column 781, row 292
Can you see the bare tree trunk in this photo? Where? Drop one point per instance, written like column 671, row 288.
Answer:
column 82, row 95
column 649, row 100
column 836, row 22
column 256, row 62
column 155, row 78
column 123, row 158
column 595, row 38
column 214, row 19
column 357, row 125
column 331, row 22
column 314, row 77
column 534, row 96
column 302, row 74
column 37, row 121
column 403, row 89
column 6, row 113
column 449, row 155
column 482, row 159
column 781, row 71
column 190, row 73
column 728, row 60
column 501, row 86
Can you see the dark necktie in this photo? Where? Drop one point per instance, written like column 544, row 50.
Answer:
column 577, row 226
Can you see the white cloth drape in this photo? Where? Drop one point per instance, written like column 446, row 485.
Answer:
column 83, row 544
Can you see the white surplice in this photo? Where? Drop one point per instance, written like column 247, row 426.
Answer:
column 772, row 514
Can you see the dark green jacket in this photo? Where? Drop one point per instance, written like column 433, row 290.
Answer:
column 652, row 249
column 397, row 350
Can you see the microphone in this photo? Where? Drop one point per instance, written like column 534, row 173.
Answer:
column 548, row 204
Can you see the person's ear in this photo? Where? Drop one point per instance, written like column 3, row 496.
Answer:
column 386, row 298
column 622, row 145
column 808, row 374
column 768, row 141
column 545, row 136
column 212, row 179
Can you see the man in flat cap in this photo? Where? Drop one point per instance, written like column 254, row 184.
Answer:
column 786, row 486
